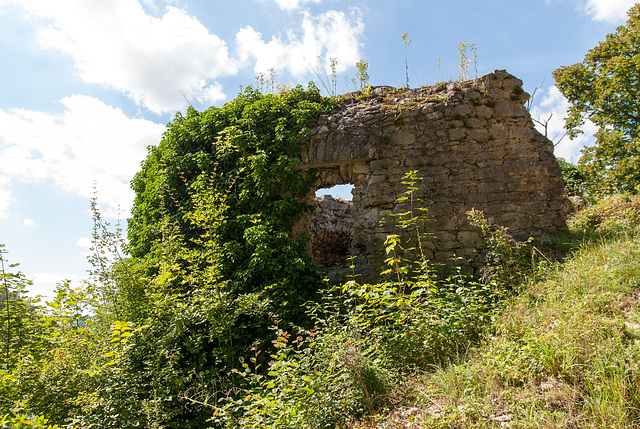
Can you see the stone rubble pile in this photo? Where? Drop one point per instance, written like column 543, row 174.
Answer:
column 331, row 230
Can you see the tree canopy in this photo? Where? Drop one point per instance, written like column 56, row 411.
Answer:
column 604, row 88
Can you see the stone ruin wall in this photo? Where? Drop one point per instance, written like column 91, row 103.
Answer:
column 474, row 145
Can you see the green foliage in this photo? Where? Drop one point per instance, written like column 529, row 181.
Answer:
column 561, row 354
column 313, row 381
column 253, row 143
column 51, row 355
column 19, row 316
column 406, row 258
column 16, row 420
column 506, row 259
column 364, row 339
column 202, row 323
column 211, row 257
column 603, row 88
column 362, row 75
column 620, row 212
column 574, row 178
column 464, row 61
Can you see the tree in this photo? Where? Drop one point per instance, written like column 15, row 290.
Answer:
column 246, row 153
column 212, row 263
column 574, row 179
column 604, row 88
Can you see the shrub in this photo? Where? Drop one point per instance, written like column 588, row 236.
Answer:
column 617, row 212
column 574, row 178
column 507, row 260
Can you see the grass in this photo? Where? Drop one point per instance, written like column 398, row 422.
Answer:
column 562, row 353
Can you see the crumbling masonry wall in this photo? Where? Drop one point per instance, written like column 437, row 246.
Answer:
column 473, row 143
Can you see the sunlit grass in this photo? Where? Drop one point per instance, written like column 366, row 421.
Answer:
column 564, row 352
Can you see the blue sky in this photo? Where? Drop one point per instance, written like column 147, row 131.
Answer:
column 87, row 85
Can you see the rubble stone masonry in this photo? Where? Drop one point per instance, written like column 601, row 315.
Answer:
column 473, row 144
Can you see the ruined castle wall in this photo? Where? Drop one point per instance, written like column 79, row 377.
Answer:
column 474, row 145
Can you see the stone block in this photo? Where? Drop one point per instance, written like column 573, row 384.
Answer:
column 474, row 122
column 457, row 134
column 508, row 109
column 462, row 110
column 360, row 168
column 376, row 178
column 403, row 138
column 383, row 164
column 484, row 112
column 478, row 134
column 469, row 238
column 434, row 116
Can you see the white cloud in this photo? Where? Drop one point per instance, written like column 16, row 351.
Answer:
column 89, row 142
column 293, row 4
column 84, row 243
column 330, row 35
column 29, row 222
column 612, row 11
column 6, row 197
column 116, row 44
column 44, row 284
column 552, row 109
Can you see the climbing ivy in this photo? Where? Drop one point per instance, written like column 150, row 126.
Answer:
column 211, row 258
column 246, row 151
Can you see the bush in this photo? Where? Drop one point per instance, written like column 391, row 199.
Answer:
column 617, row 212
column 365, row 338
column 575, row 179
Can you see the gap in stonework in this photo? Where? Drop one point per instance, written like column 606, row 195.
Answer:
column 337, row 191
column 332, row 225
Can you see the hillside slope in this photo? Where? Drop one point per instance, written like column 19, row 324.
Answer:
column 564, row 353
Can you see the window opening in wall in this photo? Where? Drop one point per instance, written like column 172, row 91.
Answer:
column 337, row 191
column 332, row 226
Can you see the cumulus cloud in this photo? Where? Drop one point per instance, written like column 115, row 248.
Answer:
column 89, row 142
column 552, row 110
column 84, row 243
column 333, row 34
column 612, row 11
column 116, row 44
column 293, row 4
column 44, row 284
column 29, row 222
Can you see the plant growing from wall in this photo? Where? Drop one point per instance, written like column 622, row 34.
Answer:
column 464, row 61
column 333, row 64
column 362, row 75
column 406, row 42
